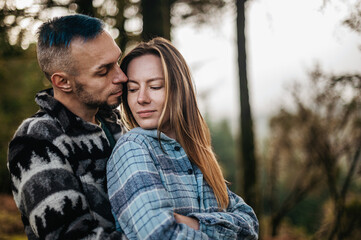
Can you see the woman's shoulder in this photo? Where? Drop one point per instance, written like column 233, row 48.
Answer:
column 138, row 135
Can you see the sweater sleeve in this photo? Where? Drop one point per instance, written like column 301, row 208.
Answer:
column 139, row 200
column 237, row 222
column 49, row 195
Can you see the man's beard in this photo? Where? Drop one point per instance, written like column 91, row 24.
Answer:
column 113, row 106
column 90, row 100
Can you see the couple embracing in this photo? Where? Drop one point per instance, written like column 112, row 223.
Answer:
column 82, row 169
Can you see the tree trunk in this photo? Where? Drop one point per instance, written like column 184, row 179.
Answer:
column 85, row 7
column 339, row 203
column 156, row 19
column 247, row 155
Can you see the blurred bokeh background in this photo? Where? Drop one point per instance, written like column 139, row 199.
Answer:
column 279, row 82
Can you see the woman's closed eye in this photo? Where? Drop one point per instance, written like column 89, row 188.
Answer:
column 156, row 87
column 132, row 87
column 131, row 90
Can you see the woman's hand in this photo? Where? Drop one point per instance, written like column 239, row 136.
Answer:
column 190, row 222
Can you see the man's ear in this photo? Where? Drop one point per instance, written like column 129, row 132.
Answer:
column 61, row 81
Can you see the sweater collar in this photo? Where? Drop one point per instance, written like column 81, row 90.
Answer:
column 65, row 118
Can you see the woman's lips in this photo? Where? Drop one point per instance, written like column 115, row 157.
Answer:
column 145, row 113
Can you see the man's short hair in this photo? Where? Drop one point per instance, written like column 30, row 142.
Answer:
column 55, row 37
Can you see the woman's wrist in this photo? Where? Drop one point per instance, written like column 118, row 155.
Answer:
column 189, row 221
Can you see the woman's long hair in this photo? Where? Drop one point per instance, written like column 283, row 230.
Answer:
column 185, row 119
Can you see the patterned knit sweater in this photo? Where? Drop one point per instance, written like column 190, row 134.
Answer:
column 57, row 165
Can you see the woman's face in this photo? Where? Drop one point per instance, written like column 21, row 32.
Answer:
column 146, row 91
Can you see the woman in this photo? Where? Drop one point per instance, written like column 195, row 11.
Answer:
column 164, row 181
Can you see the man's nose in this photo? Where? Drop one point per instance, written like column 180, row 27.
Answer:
column 119, row 77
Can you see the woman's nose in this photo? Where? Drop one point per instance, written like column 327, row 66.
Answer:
column 143, row 96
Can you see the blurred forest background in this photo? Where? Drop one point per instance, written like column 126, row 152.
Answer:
column 303, row 180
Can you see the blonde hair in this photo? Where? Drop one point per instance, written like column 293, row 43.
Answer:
column 185, row 119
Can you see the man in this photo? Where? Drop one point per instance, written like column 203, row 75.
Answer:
column 57, row 157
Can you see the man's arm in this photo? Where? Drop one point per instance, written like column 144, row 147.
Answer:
column 48, row 193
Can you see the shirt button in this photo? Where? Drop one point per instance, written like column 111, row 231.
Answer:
column 190, row 171
column 177, row 148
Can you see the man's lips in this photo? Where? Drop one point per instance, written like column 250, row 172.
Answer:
column 118, row 93
column 145, row 113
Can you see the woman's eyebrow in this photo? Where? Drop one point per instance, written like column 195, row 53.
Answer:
column 132, row 81
column 148, row 80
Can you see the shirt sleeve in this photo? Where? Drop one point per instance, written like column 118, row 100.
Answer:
column 237, row 222
column 139, row 200
column 48, row 193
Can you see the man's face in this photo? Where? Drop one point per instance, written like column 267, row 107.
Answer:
column 99, row 79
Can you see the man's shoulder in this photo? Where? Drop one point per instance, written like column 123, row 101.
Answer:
column 34, row 133
column 40, row 125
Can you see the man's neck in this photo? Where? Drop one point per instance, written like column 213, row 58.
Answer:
column 81, row 110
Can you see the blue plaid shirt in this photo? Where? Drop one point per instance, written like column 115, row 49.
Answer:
column 146, row 185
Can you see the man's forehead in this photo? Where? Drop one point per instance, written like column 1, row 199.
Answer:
column 101, row 50
column 82, row 44
column 105, row 62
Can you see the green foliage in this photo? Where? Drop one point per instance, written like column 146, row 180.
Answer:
column 20, row 79
column 224, row 147
column 307, row 213
column 352, row 221
column 315, row 146
column 123, row 17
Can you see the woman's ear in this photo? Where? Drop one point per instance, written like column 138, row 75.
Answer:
column 61, row 81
